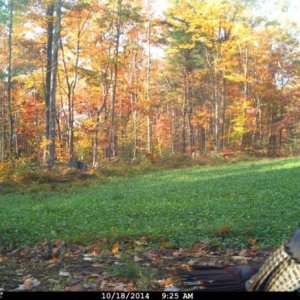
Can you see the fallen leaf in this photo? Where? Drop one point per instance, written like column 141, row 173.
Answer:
column 54, row 259
column 97, row 265
column 87, row 259
column 26, row 277
column 64, row 274
column 28, row 284
column 95, row 275
column 103, row 284
column 136, row 258
column 141, row 242
column 34, row 282
column 115, row 248
column 93, row 250
column 166, row 282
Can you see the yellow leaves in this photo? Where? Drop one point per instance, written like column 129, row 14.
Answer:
column 201, row 117
column 45, row 142
column 199, row 38
column 186, row 46
column 237, row 78
column 172, row 51
column 84, row 143
column 176, row 49
column 89, row 124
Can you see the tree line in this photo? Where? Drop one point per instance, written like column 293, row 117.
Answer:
column 83, row 80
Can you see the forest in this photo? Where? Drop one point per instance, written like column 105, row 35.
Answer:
column 106, row 80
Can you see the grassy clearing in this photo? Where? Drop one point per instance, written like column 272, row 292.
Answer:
column 185, row 206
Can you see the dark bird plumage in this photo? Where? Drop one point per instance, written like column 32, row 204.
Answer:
column 212, row 278
column 280, row 272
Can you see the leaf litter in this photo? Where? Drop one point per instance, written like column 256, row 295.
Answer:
column 61, row 266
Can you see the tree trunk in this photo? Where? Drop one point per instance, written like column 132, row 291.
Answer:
column 202, row 140
column 9, row 84
column 2, row 114
column 52, row 103
column 173, row 132
column 245, row 91
column 72, row 85
column 112, row 140
column 190, row 113
column 50, row 15
column 2, row 142
column 50, row 12
column 149, row 124
column 184, row 110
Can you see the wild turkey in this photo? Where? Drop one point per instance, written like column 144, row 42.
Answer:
column 280, row 272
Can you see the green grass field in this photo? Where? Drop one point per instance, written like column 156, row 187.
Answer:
column 185, row 206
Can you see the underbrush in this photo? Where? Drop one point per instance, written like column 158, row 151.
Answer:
column 23, row 175
column 144, row 164
column 27, row 177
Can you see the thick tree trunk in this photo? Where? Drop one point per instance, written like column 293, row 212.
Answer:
column 52, row 103
column 50, row 26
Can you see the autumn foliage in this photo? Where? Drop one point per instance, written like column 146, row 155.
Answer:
column 228, row 81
